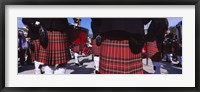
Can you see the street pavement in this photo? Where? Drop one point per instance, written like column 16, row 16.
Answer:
column 88, row 67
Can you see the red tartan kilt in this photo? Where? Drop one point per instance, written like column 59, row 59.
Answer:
column 153, row 52
column 86, row 50
column 56, row 52
column 77, row 48
column 116, row 58
column 95, row 48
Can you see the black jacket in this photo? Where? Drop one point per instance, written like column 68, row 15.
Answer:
column 56, row 24
column 128, row 25
column 131, row 29
column 157, row 31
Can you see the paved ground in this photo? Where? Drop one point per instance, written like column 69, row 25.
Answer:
column 88, row 67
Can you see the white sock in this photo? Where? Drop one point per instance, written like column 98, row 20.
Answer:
column 96, row 63
column 37, row 64
column 76, row 57
column 48, row 69
column 171, row 57
column 168, row 57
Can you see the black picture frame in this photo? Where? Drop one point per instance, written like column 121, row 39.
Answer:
column 3, row 3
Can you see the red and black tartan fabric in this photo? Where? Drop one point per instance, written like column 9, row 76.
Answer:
column 77, row 48
column 95, row 48
column 86, row 50
column 153, row 52
column 56, row 52
column 116, row 58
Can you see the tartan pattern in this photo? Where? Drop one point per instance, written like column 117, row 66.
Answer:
column 95, row 48
column 86, row 50
column 77, row 48
column 153, row 52
column 116, row 58
column 57, row 50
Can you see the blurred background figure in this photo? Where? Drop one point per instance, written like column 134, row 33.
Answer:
column 95, row 47
column 81, row 46
column 169, row 44
column 22, row 46
column 155, row 38
column 77, row 23
column 96, row 54
column 178, row 46
column 76, row 47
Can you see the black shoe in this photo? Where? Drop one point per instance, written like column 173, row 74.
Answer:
column 178, row 65
column 96, row 72
column 77, row 64
column 81, row 63
column 154, row 67
column 22, row 64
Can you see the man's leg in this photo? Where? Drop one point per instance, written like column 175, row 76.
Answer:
column 157, row 67
column 76, row 55
column 96, row 63
column 37, row 67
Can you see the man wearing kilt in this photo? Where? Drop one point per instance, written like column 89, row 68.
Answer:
column 22, row 47
column 168, row 45
column 178, row 46
column 78, row 40
column 155, row 37
column 76, row 48
column 96, row 53
column 95, row 47
column 121, row 41
column 51, row 52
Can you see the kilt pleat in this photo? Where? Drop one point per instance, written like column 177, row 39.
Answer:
column 153, row 52
column 95, row 48
column 57, row 50
column 116, row 58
